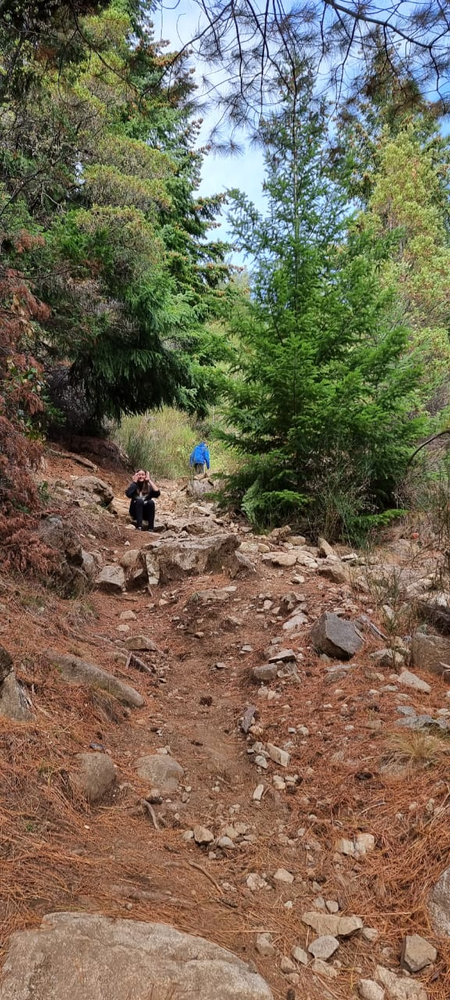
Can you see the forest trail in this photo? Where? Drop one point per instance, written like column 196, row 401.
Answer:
column 281, row 857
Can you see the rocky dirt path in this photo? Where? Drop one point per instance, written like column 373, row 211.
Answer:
column 261, row 850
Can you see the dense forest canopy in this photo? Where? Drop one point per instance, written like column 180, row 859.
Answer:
column 333, row 358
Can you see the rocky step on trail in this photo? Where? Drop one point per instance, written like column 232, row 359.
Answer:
column 230, row 766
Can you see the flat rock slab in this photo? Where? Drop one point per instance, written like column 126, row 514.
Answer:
column 161, row 770
column 80, row 956
column 331, row 924
column 431, row 652
column 335, row 636
column 175, row 558
column 13, row 703
column 77, row 671
column 417, row 953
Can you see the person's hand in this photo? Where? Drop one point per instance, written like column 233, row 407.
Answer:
column 147, row 477
column 135, row 477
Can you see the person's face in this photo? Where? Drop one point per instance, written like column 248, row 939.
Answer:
column 140, row 475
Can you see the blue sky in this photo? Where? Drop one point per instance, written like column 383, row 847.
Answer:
column 243, row 171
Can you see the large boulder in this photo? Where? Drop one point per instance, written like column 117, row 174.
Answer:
column 161, row 771
column 78, row 671
column 431, row 652
column 111, row 579
column 94, row 776
column 95, row 489
column 82, row 956
column 174, row 558
column 439, row 904
column 67, row 572
column 335, row 636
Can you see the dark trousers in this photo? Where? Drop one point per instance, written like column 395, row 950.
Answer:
column 143, row 510
column 199, row 467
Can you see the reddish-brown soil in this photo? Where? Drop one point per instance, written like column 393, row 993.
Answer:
column 59, row 853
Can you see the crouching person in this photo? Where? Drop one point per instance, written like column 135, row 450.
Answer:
column 141, row 492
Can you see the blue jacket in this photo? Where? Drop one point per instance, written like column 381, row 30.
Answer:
column 200, row 455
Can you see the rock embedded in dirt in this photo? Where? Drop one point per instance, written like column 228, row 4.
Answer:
column 430, row 652
column 389, row 658
column 299, row 954
column 295, row 622
column 127, row 616
column 439, row 904
column 94, row 777
column 175, row 558
column 6, row 663
column 326, row 550
column 334, row 570
column 324, row 947
column 202, row 835
column 13, row 701
column 111, row 579
column 335, row 636
column 256, row 882
column 417, row 953
column 265, row 946
column 67, row 570
column 284, row 655
column 282, row 875
column 141, row 643
column 321, row 967
column 264, row 673
column 399, row 988
column 77, row 671
column 368, row 989
column 280, row 558
column 161, row 771
column 329, row 923
column 97, row 490
column 80, row 956
column 278, row 755
column 410, row 680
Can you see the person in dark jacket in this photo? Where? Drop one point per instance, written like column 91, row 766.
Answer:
column 199, row 458
column 141, row 492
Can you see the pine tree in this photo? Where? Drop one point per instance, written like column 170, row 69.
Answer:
column 323, row 407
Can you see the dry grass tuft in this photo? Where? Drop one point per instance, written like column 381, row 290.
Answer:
column 417, row 749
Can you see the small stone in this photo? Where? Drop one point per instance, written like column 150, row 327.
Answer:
column 370, row 934
column 142, row 643
column 364, row 842
column 417, row 952
column 255, row 882
column 226, row 843
column 258, row 793
column 127, row 616
column 343, row 846
column 264, row 945
column 278, row 783
column 261, row 761
column 368, row 989
column 323, row 969
column 202, row 835
column 398, row 987
column 299, row 954
column 278, row 755
column 287, row 965
column 282, row 875
column 332, row 906
column 324, row 947
column 294, row 978
column 284, row 655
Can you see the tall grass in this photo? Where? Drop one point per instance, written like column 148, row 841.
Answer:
column 162, row 440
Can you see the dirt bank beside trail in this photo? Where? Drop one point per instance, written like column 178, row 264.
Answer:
column 242, row 846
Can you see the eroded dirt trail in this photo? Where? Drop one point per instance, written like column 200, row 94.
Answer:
column 281, row 859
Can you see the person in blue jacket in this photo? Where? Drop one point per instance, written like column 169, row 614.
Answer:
column 199, row 458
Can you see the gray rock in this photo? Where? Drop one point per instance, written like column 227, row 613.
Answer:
column 335, row 636
column 278, row 755
column 417, row 952
column 77, row 671
column 134, row 565
column 299, row 954
column 13, row 701
column 410, row 680
column 280, row 558
column 141, row 643
column 321, row 967
column 6, row 663
column 111, row 579
column 334, row 570
column 295, row 622
column 265, row 946
column 431, row 652
column 160, row 770
column 217, row 595
column 202, row 835
column 330, row 923
column 284, row 656
column 265, row 672
column 67, row 570
column 94, row 777
column 325, row 549
column 368, row 989
column 89, row 564
column 175, row 558
column 324, row 947
column 439, row 904
column 81, row 956
column 98, row 491
column 399, row 988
